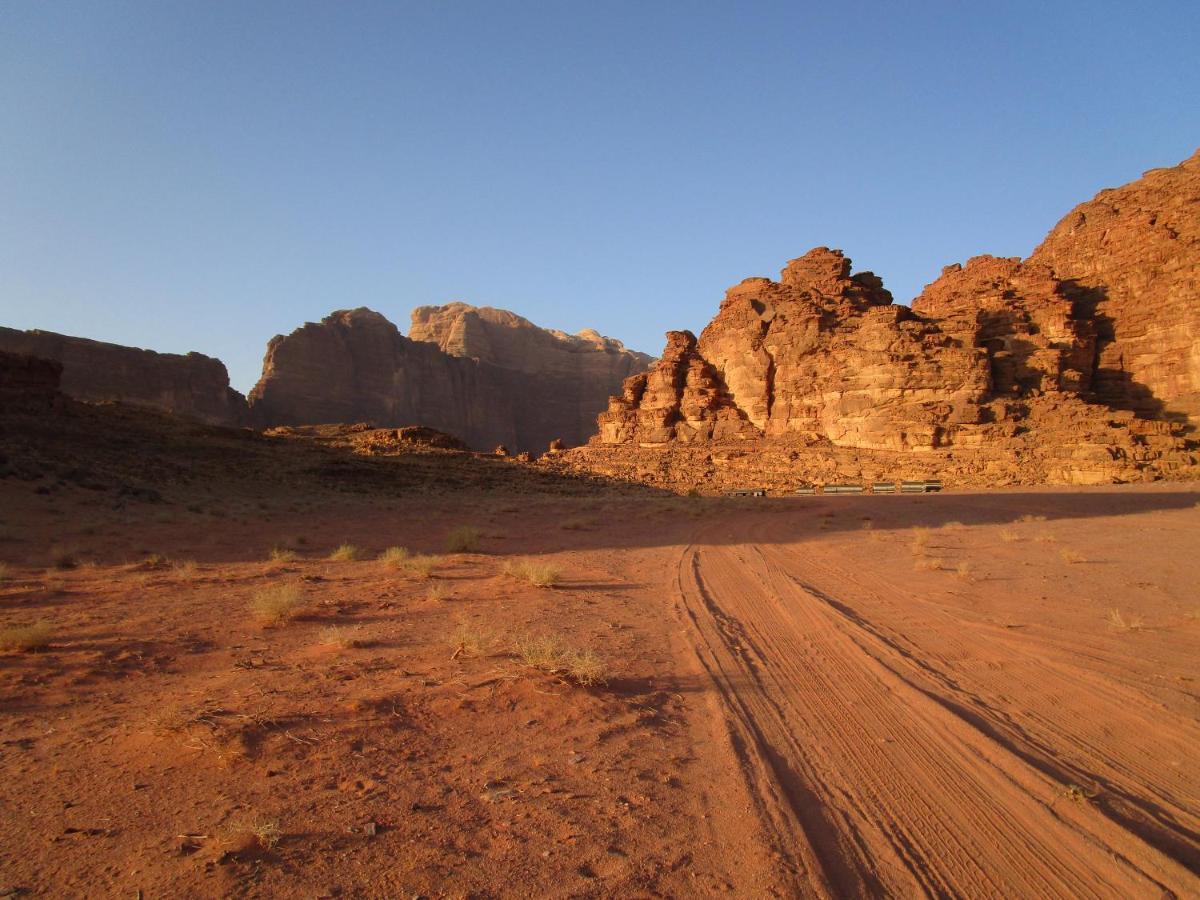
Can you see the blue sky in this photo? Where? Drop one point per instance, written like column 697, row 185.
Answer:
column 204, row 175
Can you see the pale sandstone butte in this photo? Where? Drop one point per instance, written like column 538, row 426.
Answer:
column 1130, row 257
column 568, row 378
column 355, row 365
column 1003, row 371
column 190, row 385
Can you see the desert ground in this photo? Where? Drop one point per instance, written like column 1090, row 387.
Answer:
column 969, row 693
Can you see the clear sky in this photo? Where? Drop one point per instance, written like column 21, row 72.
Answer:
column 204, row 175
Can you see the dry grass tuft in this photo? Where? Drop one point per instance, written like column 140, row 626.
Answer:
column 1119, row 621
column 1008, row 535
column 1072, row 556
column 1046, row 538
column 953, row 526
column 920, row 539
column 927, row 564
column 394, row 557
column 24, row 638
column 463, row 539
column 277, row 605
column 535, row 573
column 963, row 571
column 1031, row 518
column 553, row 655
column 266, row 832
column 422, row 565
column 345, row 636
column 344, row 553
column 65, row 559
column 283, row 555
column 155, row 561
column 438, row 591
column 471, row 640
column 186, row 568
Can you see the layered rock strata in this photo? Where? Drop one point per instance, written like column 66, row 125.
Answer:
column 994, row 376
column 487, row 376
column 569, row 378
column 193, row 385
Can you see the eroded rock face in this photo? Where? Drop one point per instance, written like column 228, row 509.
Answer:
column 991, row 378
column 502, row 381
column 193, row 385
column 29, row 382
column 569, row 378
column 1130, row 259
column 355, row 365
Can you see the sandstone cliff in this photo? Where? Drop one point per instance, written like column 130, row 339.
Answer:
column 486, row 375
column 1078, row 365
column 192, row 385
column 570, row 377
column 1130, row 258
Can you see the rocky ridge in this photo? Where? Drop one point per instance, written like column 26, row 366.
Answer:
column 1002, row 371
column 190, row 385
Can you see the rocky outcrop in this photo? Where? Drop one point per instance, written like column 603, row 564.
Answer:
column 192, row 385
column 569, row 377
column 990, row 378
column 505, row 381
column 1130, row 260
column 355, row 366
column 28, row 382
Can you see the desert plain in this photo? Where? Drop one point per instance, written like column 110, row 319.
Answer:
column 562, row 686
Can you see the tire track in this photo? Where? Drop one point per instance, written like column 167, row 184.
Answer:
column 870, row 783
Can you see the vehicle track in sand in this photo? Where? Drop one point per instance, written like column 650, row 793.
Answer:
column 880, row 764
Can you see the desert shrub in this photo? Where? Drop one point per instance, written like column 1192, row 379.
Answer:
column 344, row 553
column 277, row 605
column 186, row 568
column 471, row 640
column 1122, row 622
column 344, row 636
column 437, row 592
column 463, row 539
column 394, row 557
column 283, row 555
column 154, row 561
column 65, row 559
column 553, row 655
column 422, row 565
column 23, row 638
column 535, row 573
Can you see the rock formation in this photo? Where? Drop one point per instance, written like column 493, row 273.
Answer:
column 1074, row 366
column 569, row 377
column 192, row 385
column 1130, row 259
column 28, row 382
column 486, row 375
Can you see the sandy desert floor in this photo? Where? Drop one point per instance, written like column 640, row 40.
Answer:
column 971, row 694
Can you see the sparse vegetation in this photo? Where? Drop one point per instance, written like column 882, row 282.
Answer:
column 920, row 539
column 1121, row 622
column 1046, row 538
column 927, row 564
column 535, row 573
column 553, row 655
column 283, row 555
column 1008, row 535
column 65, row 559
column 266, row 832
column 463, row 539
column 394, row 557
column 344, row 636
column 154, row 561
column 953, row 526
column 1028, row 517
column 470, row 640
column 963, row 571
column 24, row 638
column 1072, row 556
column 277, row 605
column 422, row 565
column 186, row 568
column 344, row 553
column 437, row 592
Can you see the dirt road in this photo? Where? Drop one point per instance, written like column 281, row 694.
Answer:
column 902, row 739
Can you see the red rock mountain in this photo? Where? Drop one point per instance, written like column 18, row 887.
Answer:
column 192, row 385
column 485, row 375
column 1075, row 366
